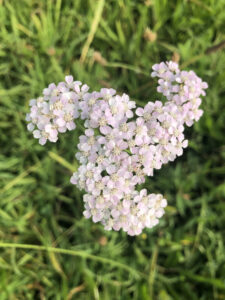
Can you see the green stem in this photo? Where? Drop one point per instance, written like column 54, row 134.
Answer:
column 73, row 253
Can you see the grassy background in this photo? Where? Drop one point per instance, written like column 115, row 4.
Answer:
column 184, row 256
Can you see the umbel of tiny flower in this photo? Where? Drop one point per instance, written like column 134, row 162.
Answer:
column 121, row 144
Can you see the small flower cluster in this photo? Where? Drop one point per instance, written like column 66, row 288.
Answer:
column 121, row 144
column 56, row 110
column 182, row 88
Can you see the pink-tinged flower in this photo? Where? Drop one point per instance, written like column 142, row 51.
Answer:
column 98, row 117
column 107, row 93
column 69, row 80
column 141, row 131
column 173, row 66
column 164, row 87
column 128, row 106
column 80, row 89
column 158, row 109
column 30, row 126
column 115, row 149
column 159, row 69
column 87, row 102
column 52, row 132
column 145, row 112
column 48, row 91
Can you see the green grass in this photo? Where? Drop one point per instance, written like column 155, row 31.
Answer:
column 48, row 250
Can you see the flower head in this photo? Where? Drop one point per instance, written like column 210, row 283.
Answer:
column 120, row 145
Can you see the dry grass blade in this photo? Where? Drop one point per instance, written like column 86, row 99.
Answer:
column 75, row 290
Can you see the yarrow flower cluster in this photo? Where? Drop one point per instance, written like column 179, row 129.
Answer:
column 121, row 144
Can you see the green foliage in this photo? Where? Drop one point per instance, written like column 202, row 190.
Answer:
column 184, row 256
